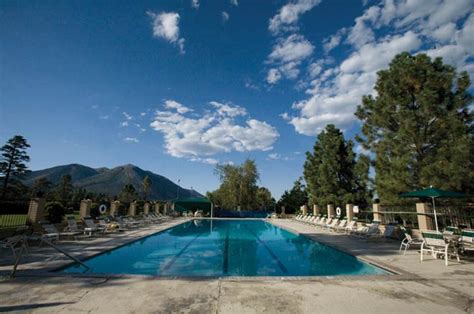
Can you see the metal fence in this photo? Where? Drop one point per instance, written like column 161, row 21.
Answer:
column 461, row 215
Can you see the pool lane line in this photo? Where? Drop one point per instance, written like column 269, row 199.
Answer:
column 225, row 265
column 170, row 263
column 273, row 255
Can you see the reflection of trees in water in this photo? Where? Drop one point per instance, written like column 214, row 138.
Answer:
column 241, row 253
column 236, row 240
column 325, row 260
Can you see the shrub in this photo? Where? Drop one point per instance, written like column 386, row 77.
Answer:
column 55, row 212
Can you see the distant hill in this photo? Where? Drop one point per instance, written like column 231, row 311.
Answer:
column 111, row 181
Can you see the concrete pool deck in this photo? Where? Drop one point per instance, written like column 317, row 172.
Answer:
column 427, row 287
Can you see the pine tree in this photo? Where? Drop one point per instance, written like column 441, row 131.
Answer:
column 41, row 185
column 362, row 194
column 294, row 198
column 419, row 127
column 329, row 170
column 264, row 199
column 14, row 157
column 64, row 191
column 146, row 187
column 128, row 194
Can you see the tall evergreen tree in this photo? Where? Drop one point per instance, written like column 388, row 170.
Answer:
column 419, row 127
column 64, row 190
column 362, row 194
column 329, row 169
column 128, row 194
column 264, row 199
column 41, row 185
column 13, row 160
column 146, row 187
column 294, row 198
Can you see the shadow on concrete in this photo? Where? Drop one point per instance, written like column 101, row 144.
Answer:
column 26, row 307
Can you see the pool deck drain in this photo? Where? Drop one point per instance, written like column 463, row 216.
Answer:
column 427, row 287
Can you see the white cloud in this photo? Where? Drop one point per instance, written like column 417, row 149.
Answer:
column 274, row 156
column 166, row 26
column 171, row 104
column 287, row 54
column 334, row 93
column 234, row 2
column 212, row 133
column 334, row 40
column 289, row 14
column 95, row 107
column 124, row 123
column 225, row 16
column 360, row 34
column 250, row 85
column 209, row 161
column 131, row 140
column 127, row 116
column 293, row 48
column 195, row 4
column 142, row 114
column 228, row 110
column 273, row 76
column 104, row 117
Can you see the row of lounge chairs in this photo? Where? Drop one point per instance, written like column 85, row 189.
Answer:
column 49, row 232
column 91, row 227
column 347, row 227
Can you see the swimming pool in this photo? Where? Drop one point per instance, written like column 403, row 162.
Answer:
column 226, row 248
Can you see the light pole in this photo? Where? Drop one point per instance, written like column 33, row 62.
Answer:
column 177, row 192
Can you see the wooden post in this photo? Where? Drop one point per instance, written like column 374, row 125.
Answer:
column 146, row 208
column 132, row 210
column 424, row 222
column 331, row 211
column 304, row 209
column 349, row 212
column 114, row 208
column 316, row 210
column 85, row 208
column 377, row 208
column 36, row 210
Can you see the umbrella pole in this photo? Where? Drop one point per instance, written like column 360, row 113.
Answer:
column 434, row 211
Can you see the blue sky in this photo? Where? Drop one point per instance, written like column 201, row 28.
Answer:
column 177, row 86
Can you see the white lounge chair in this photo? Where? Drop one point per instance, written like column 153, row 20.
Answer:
column 53, row 234
column 408, row 240
column 93, row 226
column 332, row 224
column 322, row 224
column 73, row 227
column 467, row 239
column 342, row 224
column 15, row 243
column 351, row 226
column 435, row 244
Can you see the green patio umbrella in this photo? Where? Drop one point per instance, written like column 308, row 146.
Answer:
column 433, row 193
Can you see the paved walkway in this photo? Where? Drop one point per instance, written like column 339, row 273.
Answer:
column 427, row 287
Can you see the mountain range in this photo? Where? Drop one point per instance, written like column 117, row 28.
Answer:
column 111, row 181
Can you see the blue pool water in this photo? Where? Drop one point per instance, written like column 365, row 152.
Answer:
column 226, row 248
